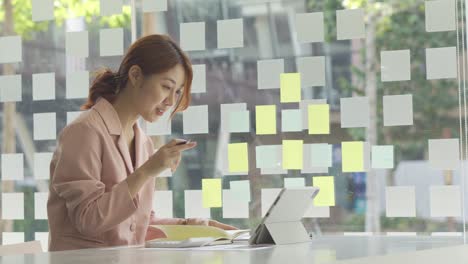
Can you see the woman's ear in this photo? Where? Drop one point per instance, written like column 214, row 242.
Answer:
column 135, row 75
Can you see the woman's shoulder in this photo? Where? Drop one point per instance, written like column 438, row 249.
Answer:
column 85, row 125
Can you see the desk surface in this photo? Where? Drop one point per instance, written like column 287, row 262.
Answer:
column 321, row 250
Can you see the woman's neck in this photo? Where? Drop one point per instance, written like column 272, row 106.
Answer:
column 124, row 109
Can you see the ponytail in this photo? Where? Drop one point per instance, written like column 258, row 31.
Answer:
column 105, row 85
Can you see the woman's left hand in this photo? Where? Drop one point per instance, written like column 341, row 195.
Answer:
column 221, row 225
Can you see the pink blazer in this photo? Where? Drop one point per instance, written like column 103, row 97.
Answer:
column 89, row 201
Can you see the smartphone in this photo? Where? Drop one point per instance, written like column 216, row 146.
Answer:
column 182, row 142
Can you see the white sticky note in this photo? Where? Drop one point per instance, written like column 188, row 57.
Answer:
column 230, row 33
column 110, row 7
column 268, row 73
column 304, row 106
column 154, row 5
column 163, row 204
column 10, row 238
column 441, row 63
column 239, row 121
column 77, row 85
column 199, row 78
column 445, row 201
column 395, row 65
column 111, row 41
column 317, row 211
column 77, row 44
column 309, row 167
column 11, row 90
column 12, row 206
column 71, row 116
column 40, row 205
column 233, row 207
column 291, row 120
column 350, row 24
column 43, row 237
column 226, row 109
column 320, row 155
column 400, row 201
column 382, row 157
column 309, row 27
column 163, row 126
column 192, row 36
column 444, row 154
column 42, row 10
column 294, row 182
column 241, row 189
column 440, row 15
column 312, row 70
column 45, row 126
column 195, row 119
column 42, row 165
column 12, row 166
column 398, row 110
column 14, row 47
column 194, row 206
column 354, row 112
column 43, row 85
column 268, row 156
column 268, row 197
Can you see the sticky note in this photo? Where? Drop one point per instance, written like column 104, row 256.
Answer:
column 12, row 166
column 310, row 167
column 309, row 27
column 163, row 204
column 212, row 193
column 239, row 121
column 441, row 63
column 304, row 106
column 352, row 156
column 12, row 206
column 233, row 207
column 326, row 195
column 43, row 85
column 40, row 205
column 72, row 115
column 350, row 24
column 163, row 126
column 294, row 182
column 194, row 206
column 42, row 10
column 395, row 65
column 42, row 165
column 445, row 201
column 292, row 154
column 268, row 73
column 268, row 156
column 444, row 154
column 440, row 15
column 241, row 189
column 11, row 90
column 400, row 201
column 382, row 157
column 192, row 36
column 319, row 119
column 111, row 41
column 225, row 110
column 14, row 46
column 354, row 112
column 154, row 5
column 265, row 119
column 77, row 85
column 43, row 237
column 268, row 197
column 45, row 126
column 291, row 120
column 10, row 238
column 110, row 7
column 317, row 211
column 320, row 155
column 290, row 87
column 77, row 44
column 199, row 78
column 238, row 157
column 312, row 71
column 195, row 119
column 230, row 33
column 398, row 110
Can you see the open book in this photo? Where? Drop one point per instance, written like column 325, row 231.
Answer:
column 193, row 236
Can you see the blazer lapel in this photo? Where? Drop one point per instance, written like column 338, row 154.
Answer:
column 123, row 148
column 139, row 146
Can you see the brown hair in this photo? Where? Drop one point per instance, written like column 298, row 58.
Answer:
column 153, row 54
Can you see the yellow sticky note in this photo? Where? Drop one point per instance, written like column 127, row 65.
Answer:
column 238, row 158
column 352, row 154
column 319, row 119
column 292, row 154
column 290, row 87
column 212, row 193
column 326, row 195
column 265, row 119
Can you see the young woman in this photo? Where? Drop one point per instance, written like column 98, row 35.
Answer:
column 103, row 171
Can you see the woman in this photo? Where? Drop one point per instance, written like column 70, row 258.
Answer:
column 103, row 170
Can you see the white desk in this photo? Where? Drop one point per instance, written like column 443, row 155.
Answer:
column 320, row 250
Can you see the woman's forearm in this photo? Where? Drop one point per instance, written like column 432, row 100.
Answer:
column 136, row 180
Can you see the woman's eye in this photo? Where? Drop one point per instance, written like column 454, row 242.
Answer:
column 178, row 92
column 167, row 87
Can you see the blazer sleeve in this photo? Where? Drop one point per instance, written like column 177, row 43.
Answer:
column 77, row 179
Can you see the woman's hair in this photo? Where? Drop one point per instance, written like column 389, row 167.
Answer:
column 154, row 54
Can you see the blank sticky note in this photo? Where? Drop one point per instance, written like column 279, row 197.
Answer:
column 12, row 166
column 42, row 10
column 77, row 44
column 194, row 206
column 163, row 126
column 294, row 182
column 43, row 237
column 292, row 154
column 195, row 119
column 268, row 156
column 192, row 36
column 241, row 189
column 320, row 155
column 111, row 42
column 110, row 7
column 12, row 206
column 230, row 33
column 326, row 195
column 352, row 156
column 43, row 85
column 154, row 5
column 225, row 110
column 440, row 15
column 238, row 157
column 233, row 207
column 309, row 27
column 400, row 201
column 382, row 157
column 319, row 119
column 268, row 73
column 444, row 154
column 395, row 65
column 45, row 126
column 398, row 110
column 40, row 205
column 265, row 119
column 42, row 165
column 11, row 90
column 290, row 87
column 268, row 197
column 441, row 63
column 10, row 238
column 163, row 204
column 350, row 24
column 199, row 78
column 14, row 47
column 445, row 201
column 212, row 193
column 239, row 121
column 354, row 112
column 317, row 211
column 312, row 70
column 304, row 105
column 77, row 85
column 291, row 120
